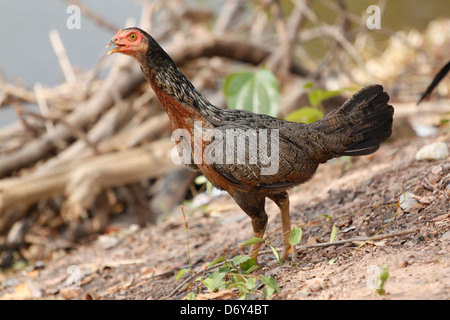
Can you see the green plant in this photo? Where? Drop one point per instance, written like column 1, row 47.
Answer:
column 201, row 180
column 381, row 280
column 237, row 272
column 294, row 238
column 314, row 111
column 257, row 91
column 334, row 229
column 317, row 96
column 234, row 273
column 305, row 115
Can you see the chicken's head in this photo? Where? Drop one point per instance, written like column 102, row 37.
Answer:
column 129, row 41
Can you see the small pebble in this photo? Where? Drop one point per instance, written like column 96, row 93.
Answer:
column 107, row 242
column 147, row 270
column 315, row 287
column 407, row 201
column 403, row 264
column 433, row 151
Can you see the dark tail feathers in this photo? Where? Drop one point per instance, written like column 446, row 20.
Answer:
column 361, row 123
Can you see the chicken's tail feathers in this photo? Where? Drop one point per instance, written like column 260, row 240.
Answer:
column 361, row 123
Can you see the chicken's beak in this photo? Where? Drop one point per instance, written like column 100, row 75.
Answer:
column 114, row 42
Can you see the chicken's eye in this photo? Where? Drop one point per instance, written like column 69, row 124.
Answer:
column 132, row 36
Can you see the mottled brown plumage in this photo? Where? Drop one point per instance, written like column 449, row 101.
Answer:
column 356, row 128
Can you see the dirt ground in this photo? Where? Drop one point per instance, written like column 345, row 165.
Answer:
column 130, row 262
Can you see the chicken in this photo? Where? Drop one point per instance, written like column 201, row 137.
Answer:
column 255, row 156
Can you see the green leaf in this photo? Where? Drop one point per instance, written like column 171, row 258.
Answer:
column 209, row 187
column 250, row 284
column 227, row 265
column 200, row 180
column 215, row 281
column 295, row 236
column 224, row 270
column 305, row 115
column 381, row 279
column 318, row 95
column 332, row 261
column 181, row 273
column 315, row 97
column 249, row 265
column 309, row 84
column 239, row 282
column 191, row 296
column 257, row 92
column 270, row 282
column 238, row 260
column 334, row 231
column 252, row 268
column 216, row 261
column 384, row 273
column 240, row 286
column 268, row 291
column 252, row 241
column 275, row 252
column 327, row 216
column 327, row 94
column 238, row 278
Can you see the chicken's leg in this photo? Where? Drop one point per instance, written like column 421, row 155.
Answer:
column 253, row 206
column 282, row 201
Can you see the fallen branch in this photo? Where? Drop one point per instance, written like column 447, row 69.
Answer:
column 83, row 179
column 75, row 131
column 358, row 239
column 16, row 91
column 226, row 48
